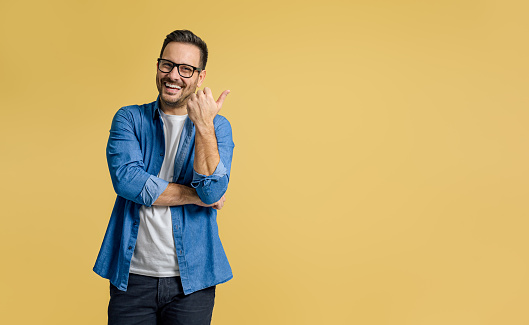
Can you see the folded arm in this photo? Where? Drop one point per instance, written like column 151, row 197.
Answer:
column 129, row 178
column 176, row 194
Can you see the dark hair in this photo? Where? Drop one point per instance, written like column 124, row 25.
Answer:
column 186, row 36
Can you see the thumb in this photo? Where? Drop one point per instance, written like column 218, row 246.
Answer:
column 222, row 97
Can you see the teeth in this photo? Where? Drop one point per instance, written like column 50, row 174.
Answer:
column 172, row 86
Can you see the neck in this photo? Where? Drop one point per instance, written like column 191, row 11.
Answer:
column 173, row 110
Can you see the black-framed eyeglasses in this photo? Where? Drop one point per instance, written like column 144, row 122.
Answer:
column 184, row 70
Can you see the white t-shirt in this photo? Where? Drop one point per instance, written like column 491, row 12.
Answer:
column 155, row 253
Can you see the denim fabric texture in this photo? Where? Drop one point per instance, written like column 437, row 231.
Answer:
column 154, row 301
column 135, row 153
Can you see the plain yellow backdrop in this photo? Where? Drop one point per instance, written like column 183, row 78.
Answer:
column 380, row 169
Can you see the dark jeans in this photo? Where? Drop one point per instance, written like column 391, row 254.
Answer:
column 153, row 301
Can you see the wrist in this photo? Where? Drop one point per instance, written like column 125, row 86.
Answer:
column 205, row 127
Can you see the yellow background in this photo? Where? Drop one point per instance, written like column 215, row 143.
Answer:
column 380, row 169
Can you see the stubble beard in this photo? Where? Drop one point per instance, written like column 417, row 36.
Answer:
column 180, row 102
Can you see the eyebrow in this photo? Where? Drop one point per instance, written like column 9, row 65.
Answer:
column 180, row 63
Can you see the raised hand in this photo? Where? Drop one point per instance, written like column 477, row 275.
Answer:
column 202, row 107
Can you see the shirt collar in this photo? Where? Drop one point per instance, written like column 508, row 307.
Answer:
column 156, row 111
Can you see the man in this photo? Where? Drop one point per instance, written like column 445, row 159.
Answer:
column 170, row 164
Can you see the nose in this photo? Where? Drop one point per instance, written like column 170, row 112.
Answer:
column 174, row 75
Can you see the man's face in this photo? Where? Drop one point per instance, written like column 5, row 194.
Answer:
column 175, row 90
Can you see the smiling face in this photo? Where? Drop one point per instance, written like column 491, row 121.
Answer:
column 173, row 89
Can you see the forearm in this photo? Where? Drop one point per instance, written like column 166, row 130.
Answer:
column 176, row 194
column 206, row 152
column 212, row 142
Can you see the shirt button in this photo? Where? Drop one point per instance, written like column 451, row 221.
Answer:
column 161, row 155
column 130, row 247
column 135, row 223
column 180, row 252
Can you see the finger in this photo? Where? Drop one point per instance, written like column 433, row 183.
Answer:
column 208, row 92
column 222, row 97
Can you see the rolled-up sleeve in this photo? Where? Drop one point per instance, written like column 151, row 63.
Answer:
column 212, row 187
column 125, row 163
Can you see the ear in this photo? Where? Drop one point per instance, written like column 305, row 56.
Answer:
column 201, row 78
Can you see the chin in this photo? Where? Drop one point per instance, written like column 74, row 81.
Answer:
column 171, row 101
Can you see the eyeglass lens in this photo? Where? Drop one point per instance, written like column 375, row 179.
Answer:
column 184, row 70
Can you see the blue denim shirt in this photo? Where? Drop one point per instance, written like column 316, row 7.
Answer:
column 135, row 153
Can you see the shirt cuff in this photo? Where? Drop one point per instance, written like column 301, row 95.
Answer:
column 199, row 179
column 154, row 186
